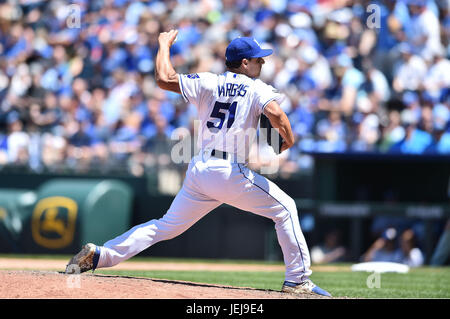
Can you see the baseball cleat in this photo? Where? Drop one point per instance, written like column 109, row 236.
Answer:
column 305, row 287
column 85, row 260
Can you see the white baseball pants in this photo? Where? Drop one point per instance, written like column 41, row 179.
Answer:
column 210, row 182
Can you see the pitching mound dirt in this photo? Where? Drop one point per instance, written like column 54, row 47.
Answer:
column 55, row 285
column 44, row 279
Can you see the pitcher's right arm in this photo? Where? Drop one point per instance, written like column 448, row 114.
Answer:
column 165, row 75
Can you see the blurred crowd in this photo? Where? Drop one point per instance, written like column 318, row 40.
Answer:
column 77, row 85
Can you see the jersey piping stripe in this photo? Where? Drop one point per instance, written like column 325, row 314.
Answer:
column 182, row 88
column 290, row 216
column 265, row 104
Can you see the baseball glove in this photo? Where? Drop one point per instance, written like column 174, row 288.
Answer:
column 270, row 134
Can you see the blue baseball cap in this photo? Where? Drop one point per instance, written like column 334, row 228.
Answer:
column 245, row 48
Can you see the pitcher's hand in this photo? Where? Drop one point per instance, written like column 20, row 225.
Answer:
column 166, row 39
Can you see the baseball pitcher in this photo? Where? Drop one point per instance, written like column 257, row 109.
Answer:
column 229, row 107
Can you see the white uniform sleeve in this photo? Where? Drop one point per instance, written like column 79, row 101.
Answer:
column 194, row 86
column 264, row 94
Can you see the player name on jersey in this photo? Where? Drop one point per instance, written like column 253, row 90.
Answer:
column 232, row 89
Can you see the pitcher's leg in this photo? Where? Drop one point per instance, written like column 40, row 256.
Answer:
column 293, row 244
column 263, row 197
column 186, row 209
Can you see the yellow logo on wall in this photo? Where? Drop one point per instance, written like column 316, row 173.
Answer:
column 53, row 222
column 3, row 213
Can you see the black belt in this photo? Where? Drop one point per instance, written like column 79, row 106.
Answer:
column 219, row 154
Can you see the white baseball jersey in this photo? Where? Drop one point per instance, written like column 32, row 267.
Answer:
column 229, row 106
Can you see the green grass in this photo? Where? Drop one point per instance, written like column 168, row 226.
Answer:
column 418, row 283
column 424, row 282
